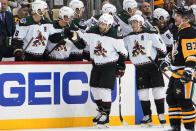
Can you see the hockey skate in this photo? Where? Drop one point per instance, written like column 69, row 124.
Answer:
column 103, row 121
column 146, row 121
column 96, row 119
column 174, row 128
column 162, row 119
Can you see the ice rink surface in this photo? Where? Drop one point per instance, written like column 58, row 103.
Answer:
column 119, row 128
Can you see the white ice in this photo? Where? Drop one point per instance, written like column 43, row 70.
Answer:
column 119, row 128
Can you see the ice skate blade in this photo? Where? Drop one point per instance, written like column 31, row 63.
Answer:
column 146, row 125
column 102, row 126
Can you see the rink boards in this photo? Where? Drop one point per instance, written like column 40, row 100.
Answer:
column 57, row 94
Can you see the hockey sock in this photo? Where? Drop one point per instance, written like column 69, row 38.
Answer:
column 146, row 107
column 188, row 117
column 188, row 114
column 106, row 107
column 175, row 117
column 99, row 104
column 160, row 106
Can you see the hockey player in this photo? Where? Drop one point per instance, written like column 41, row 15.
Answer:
column 162, row 17
column 78, row 7
column 108, row 54
column 183, row 61
column 129, row 8
column 147, row 74
column 106, row 8
column 60, row 51
column 93, row 21
column 31, row 35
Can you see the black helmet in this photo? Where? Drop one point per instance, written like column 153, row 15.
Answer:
column 184, row 12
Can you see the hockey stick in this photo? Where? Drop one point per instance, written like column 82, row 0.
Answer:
column 148, row 54
column 28, row 44
column 120, row 113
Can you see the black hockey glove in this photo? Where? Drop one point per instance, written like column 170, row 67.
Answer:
column 19, row 56
column 163, row 66
column 120, row 70
column 187, row 75
column 16, row 44
column 67, row 33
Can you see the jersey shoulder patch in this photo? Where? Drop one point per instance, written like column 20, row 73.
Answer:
column 26, row 21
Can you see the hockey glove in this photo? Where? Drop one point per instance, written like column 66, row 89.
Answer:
column 68, row 34
column 187, row 75
column 120, row 70
column 19, row 56
column 16, row 45
column 164, row 65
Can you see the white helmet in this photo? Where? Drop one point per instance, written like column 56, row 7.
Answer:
column 193, row 7
column 108, row 8
column 159, row 12
column 66, row 11
column 129, row 4
column 138, row 12
column 76, row 4
column 106, row 19
column 39, row 5
column 137, row 18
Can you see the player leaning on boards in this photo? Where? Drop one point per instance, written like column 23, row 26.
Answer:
column 182, row 60
column 147, row 74
column 31, row 35
column 108, row 54
column 61, row 51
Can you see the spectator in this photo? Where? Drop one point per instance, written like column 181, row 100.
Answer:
column 146, row 10
column 21, row 13
column 7, row 27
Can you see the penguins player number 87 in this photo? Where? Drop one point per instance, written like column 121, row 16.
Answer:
column 191, row 46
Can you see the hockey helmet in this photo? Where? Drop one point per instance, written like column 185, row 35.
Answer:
column 76, row 4
column 106, row 19
column 108, row 8
column 138, row 12
column 66, row 11
column 137, row 18
column 159, row 12
column 39, row 5
column 129, row 4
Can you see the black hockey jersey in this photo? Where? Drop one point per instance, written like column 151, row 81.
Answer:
column 184, row 49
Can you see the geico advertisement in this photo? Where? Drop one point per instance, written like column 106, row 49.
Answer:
column 57, row 91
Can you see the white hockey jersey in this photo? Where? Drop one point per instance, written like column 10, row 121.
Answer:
column 63, row 52
column 34, row 35
column 167, row 38
column 104, row 48
column 123, row 22
column 137, row 46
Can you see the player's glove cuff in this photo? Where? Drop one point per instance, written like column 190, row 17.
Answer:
column 187, row 75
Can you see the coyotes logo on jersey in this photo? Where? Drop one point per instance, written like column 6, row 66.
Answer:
column 99, row 50
column 137, row 49
column 39, row 40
